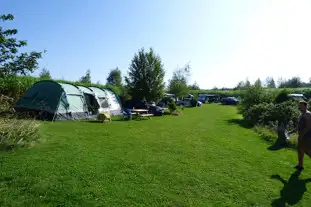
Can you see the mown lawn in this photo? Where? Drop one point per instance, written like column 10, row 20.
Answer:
column 198, row 159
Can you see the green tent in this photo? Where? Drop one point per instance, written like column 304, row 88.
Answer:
column 54, row 101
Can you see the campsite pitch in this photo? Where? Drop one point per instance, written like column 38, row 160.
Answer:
column 202, row 158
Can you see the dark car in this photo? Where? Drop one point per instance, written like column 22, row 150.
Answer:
column 230, row 101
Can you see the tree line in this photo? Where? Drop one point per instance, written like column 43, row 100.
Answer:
column 294, row 82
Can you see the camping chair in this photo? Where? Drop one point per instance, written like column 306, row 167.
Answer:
column 127, row 114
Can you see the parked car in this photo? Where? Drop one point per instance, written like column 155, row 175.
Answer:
column 208, row 98
column 230, row 101
column 297, row 96
column 203, row 98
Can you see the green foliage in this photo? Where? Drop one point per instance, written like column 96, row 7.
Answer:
column 16, row 133
column 194, row 102
column 145, row 78
column 282, row 96
column 45, row 74
column 261, row 113
column 243, row 84
column 86, row 78
column 114, row 78
column 11, row 61
column 195, row 86
column 287, row 111
column 294, row 82
column 270, row 83
column 172, row 106
column 265, row 113
column 258, row 83
column 254, row 95
column 178, row 85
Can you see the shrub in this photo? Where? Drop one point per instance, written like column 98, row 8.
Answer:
column 254, row 95
column 17, row 133
column 262, row 113
column 282, row 96
column 172, row 106
column 194, row 102
column 265, row 113
column 286, row 112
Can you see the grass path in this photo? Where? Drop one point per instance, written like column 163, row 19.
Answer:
column 198, row 159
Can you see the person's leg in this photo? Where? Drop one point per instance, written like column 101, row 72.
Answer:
column 307, row 147
column 300, row 154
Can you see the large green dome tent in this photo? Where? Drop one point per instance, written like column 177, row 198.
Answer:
column 53, row 101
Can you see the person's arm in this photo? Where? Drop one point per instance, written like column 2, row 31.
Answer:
column 308, row 125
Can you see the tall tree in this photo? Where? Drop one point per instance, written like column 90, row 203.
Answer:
column 270, row 83
column 45, row 74
column 258, row 82
column 11, row 61
column 114, row 78
column 178, row 85
column 194, row 86
column 145, row 78
column 86, row 78
column 247, row 83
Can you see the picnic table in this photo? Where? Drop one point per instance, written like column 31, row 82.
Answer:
column 142, row 113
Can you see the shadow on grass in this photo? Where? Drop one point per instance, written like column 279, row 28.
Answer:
column 240, row 122
column 292, row 191
column 276, row 143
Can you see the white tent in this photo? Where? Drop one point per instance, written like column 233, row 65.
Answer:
column 107, row 100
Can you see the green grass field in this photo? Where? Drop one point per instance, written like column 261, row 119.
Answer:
column 202, row 158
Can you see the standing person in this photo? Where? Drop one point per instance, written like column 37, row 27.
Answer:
column 304, row 134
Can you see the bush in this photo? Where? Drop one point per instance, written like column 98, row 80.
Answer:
column 286, row 112
column 265, row 113
column 17, row 133
column 262, row 113
column 252, row 96
column 194, row 102
column 282, row 96
column 172, row 106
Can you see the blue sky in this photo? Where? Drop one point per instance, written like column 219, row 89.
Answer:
column 224, row 41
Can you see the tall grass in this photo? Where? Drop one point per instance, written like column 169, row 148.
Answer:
column 18, row 132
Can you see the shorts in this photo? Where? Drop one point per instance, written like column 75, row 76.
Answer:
column 304, row 143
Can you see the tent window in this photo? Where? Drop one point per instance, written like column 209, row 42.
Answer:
column 103, row 103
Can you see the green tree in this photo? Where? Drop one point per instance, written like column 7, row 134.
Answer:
column 270, row 83
column 114, row 78
column 145, row 78
column 258, row 82
column 247, row 83
column 194, row 86
column 86, row 78
column 45, row 74
column 11, row 61
column 294, row 82
column 178, row 85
